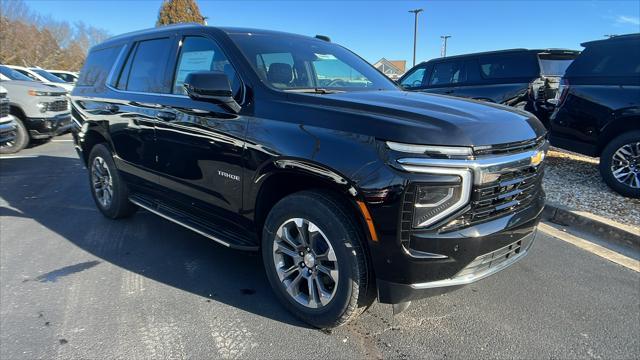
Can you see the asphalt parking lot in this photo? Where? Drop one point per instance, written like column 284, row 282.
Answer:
column 76, row 285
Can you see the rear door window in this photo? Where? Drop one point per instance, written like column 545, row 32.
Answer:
column 447, row 73
column 504, row 66
column 145, row 70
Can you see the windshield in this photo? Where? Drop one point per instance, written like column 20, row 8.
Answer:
column 48, row 76
column 13, row 74
column 295, row 63
column 554, row 66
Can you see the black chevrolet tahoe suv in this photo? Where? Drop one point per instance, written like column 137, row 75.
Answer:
column 598, row 111
column 525, row 79
column 351, row 188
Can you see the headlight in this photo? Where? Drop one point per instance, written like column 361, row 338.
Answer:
column 42, row 107
column 460, row 152
column 432, row 203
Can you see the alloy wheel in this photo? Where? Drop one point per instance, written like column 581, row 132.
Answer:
column 625, row 166
column 306, row 263
column 102, row 181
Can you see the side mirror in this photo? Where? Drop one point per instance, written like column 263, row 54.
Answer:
column 211, row 86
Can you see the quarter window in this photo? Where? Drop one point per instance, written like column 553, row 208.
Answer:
column 202, row 54
column 519, row 65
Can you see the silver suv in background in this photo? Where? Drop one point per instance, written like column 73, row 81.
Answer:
column 41, row 110
column 40, row 75
column 7, row 122
column 68, row 76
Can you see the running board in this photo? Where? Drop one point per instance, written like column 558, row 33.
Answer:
column 201, row 226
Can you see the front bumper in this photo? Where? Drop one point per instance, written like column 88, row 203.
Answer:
column 492, row 231
column 44, row 128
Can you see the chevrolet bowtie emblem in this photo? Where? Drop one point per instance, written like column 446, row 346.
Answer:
column 537, row 158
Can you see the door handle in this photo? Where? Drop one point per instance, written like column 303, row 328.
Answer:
column 165, row 116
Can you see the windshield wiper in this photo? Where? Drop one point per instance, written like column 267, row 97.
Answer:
column 314, row 90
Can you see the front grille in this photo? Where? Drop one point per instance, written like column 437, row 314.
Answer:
column 487, row 262
column 510, row 148
column 510, row 193
column 4, row 106
column 58, row 105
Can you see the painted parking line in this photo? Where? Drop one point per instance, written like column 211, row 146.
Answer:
column 62, row 140
column 591, row 247
column 18, row 156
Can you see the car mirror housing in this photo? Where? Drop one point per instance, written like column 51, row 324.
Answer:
column 212, row 86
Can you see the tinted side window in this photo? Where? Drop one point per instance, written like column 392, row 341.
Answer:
column 613, row 59
column 503, row 66
column 472, row 71
column 446, row 73
column 414, row 79
column 146, row 72
column 97, row 66
column 202, row 54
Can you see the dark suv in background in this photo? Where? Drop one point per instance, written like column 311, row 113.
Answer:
column 598, row 111
column 525, row 79
column 351, row 188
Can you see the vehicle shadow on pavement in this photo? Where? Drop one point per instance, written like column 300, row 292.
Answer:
column 54, row 191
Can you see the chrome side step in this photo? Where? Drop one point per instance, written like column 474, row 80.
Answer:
column 208, row 230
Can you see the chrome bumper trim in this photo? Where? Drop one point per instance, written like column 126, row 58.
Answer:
column 471, row 278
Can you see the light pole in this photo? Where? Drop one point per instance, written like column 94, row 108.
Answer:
column 415, row 32
column 443, row 51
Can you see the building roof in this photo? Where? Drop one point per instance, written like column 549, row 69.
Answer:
column 399, row 65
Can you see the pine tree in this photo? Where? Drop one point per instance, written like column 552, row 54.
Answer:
column 179, row 11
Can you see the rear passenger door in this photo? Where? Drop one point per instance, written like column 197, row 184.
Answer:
column 199, row 143
column 136, row 101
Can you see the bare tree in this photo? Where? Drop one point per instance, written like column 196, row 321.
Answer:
column 28, row 39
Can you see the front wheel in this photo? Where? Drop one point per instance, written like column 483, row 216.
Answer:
column 620, row 164
column 314, row 259
column 19, row 142
column 109, row 191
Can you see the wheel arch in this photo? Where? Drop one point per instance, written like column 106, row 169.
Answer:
column 284, row 177
column 615, row 128
column 90, row 138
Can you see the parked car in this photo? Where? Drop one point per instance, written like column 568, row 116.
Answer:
column 351, row 190
column 525, row 79
column 68, row 76
column 598, row 111
column 41, row 110
column 40, row 75
column 7, row 122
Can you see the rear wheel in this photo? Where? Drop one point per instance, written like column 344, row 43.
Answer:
column 314, row 259
column 620, row 164
column 109, row 191
column 19, row 142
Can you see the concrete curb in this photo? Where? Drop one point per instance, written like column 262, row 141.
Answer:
column 603, row 228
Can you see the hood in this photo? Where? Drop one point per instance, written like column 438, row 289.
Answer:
column 428, row 119
column 19, row 85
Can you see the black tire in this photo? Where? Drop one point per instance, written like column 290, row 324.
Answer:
column 607, row 161
column 353, row 290
column 119, row 206
column 20, row 142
